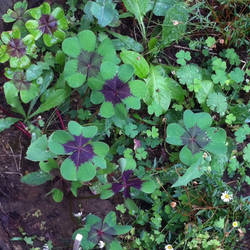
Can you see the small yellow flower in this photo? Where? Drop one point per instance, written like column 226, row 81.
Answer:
column 169, row 247
column 235, row 224
column 226, row 197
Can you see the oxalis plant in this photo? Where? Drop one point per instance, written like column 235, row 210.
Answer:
column 15, row 49
column 50, row 25
column 101, row 231
column 202, row 144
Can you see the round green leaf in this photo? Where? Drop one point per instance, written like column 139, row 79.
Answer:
column 107, row 110
column 202, row 120
column 86, row 172
column 71, row 47
column 99, row 162
column 132, row 102
column 148, row 186
column 75, row 80
column 97, row 97
column 75, row 128
column 174, row 133
column 87, row 40
column 57, row 195
column 49, row 40
column 100, row 148
column 89, row 131
column 56, row 140
column 187, row 157
column 138, row 88
column 45, row 8
column 58, row 13
column 108, row 70
column 125, row 72
column 68, row 170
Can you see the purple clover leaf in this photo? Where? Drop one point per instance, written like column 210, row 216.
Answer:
column 80, row 149
column 126, row 183
column 115, row 90
column 101, row 231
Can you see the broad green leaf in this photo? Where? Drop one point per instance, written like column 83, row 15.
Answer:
column 11, row 95
column 157, row 89
column 104, row 12
column 137, row 61
column 137, row 7
column 125, row 42
column 38, row 150
column 54, row 99
column 7, row 122
column 36, row 178
column 174, row 24
column 162, row 6
column 195, row 171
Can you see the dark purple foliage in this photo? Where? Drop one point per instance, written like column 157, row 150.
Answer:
column 89, row 63
column 125, row 184
column 47, row 24
column 100, row 231
column 195, row 138
column 16, row 48
column 81, row 151
column 20, row 81
column 115, row 90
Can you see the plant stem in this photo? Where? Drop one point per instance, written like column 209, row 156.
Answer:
column 27, row 133
column 60, row 119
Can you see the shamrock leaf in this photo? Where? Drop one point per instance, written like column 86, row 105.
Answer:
column 183, row 56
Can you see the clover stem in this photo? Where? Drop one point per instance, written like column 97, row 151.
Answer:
column 27, row 133
column 60, row 119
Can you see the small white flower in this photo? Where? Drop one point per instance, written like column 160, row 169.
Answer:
column 79, row 214
column 226, row 197
column 169, row 247
column 45, row 247
column 79, row 237
column 235, row 224
column 101, row 244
